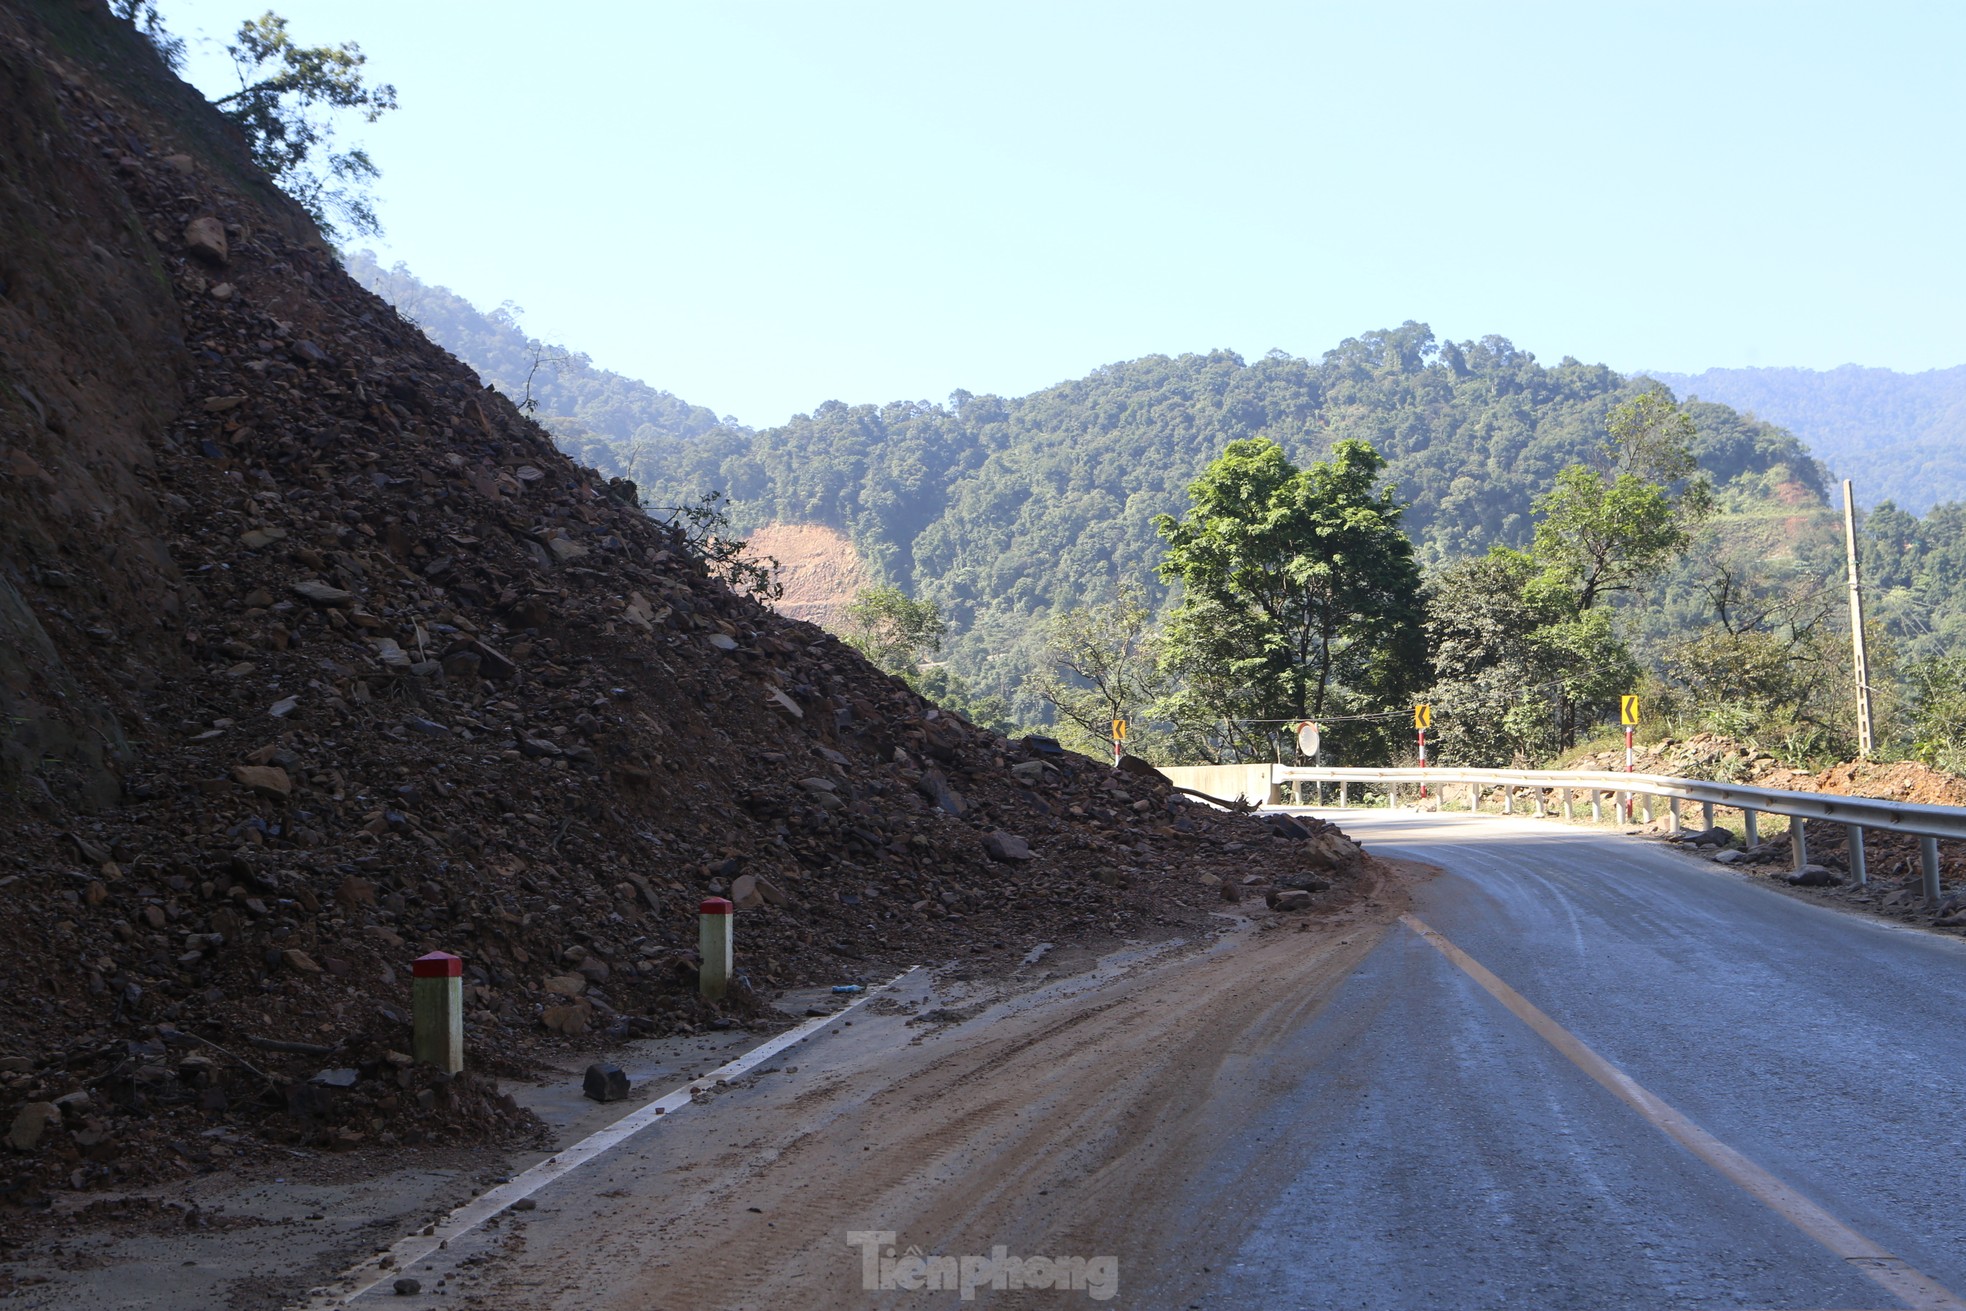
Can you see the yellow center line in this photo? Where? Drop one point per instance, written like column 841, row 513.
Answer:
column 1917, row 1291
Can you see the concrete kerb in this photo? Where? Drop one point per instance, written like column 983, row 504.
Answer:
column 399, row 1259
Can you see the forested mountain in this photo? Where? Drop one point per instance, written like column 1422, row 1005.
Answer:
column 1003, row 510
column 1900, row 436
column 1915, row 574
column 592, row 412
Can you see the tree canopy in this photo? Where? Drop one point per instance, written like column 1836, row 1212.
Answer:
column 1103, row 663
column 1299, row 584
column 284, row 105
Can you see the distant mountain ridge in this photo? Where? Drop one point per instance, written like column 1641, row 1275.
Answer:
column 592, row 413
column 1899, row 436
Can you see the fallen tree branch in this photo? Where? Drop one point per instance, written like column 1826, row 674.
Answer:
column 1240, row 804
column 297, row 1048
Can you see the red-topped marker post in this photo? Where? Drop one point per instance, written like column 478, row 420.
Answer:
column 437, row 1005
column 714, row 945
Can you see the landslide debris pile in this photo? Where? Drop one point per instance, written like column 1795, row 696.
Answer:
column 319, row 656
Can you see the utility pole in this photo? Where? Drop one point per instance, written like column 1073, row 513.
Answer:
column 1864, row 743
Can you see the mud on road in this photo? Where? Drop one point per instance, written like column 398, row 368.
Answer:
column 1057, row 1110
column 1060, row 1121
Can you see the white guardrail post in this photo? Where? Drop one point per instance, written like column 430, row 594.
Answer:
column 1858, row 815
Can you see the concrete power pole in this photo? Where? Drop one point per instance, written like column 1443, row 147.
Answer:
column 1864, row 743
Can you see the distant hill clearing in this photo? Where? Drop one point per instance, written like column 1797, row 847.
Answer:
column 820, row 568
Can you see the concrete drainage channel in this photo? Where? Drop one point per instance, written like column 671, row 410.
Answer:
column 400, row 1260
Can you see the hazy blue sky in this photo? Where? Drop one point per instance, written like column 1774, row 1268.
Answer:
column 763, row 206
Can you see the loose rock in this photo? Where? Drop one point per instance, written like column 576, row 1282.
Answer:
column 605, row 1083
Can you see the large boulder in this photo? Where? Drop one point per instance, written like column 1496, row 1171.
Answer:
column 1709, row 837
column 33, row 1121
column 1006, row 846
column 204, row 237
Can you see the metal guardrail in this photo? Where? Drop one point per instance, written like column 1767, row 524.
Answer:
column 1928, row 823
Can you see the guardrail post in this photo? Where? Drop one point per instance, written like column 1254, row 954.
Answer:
column 1344, row 799
column 1928, row 858
column 1706, row 815
column 1508, row 800
column 1854, row 835
column 1563, row 795
column 1645, row 806
column 1597, row 807
column 1751, row 821
column 1541, row 809
column 1799, row 840
column 1672, row 816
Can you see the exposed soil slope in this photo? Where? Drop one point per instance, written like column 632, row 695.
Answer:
column 818, row 566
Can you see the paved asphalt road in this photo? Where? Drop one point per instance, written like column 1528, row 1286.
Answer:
column 1444, row 1154
column 1378, row 1113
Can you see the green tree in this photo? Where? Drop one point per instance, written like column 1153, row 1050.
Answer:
column 898, row 634
column 947, row 689
column 284, row 105
column 1102, row 663
column 1612, row 527
column 1938, row 711
column 142, row 15
column 1300, row 590
column 1507, row 656
column 1769, row 662
column 703, row 530
column 893, row 630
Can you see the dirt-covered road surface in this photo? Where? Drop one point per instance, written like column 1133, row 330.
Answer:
column 1079, row 1119
column 1571, row 1070
column 1533, row 1066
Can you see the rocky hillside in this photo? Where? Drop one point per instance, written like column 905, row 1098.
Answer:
column 316, row 655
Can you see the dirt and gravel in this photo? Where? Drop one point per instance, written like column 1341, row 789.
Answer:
column 1895, row 887
column 1710, row 756
column 1054, row 1064
column 818, row 566
column 315, row 655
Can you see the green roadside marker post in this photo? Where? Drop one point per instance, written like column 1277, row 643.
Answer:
column 713, row 940
column 437, row 1011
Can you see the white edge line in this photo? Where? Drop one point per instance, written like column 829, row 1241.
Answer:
column 407, row 1251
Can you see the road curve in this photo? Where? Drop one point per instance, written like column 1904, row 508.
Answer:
column 1449, row 1155
column 1398, row 1109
